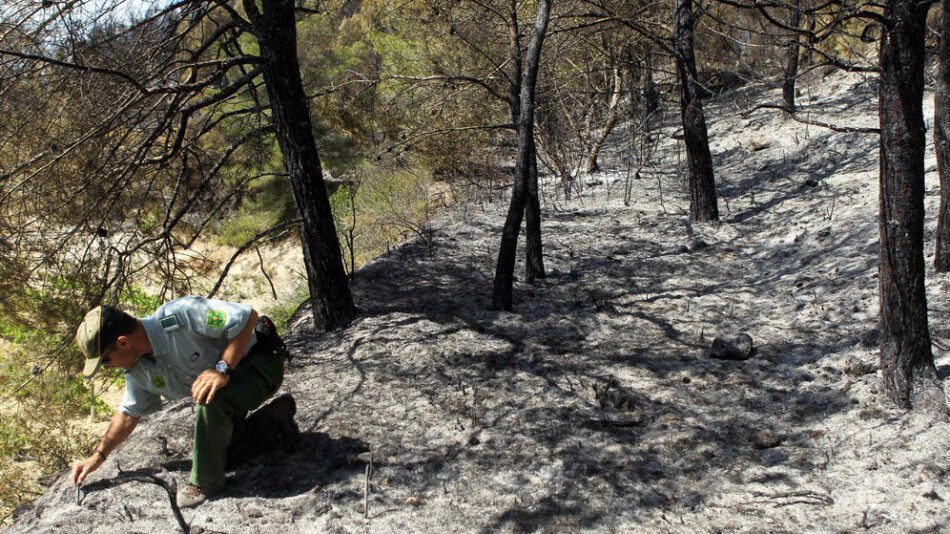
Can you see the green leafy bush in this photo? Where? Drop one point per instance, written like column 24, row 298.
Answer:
column 43, row 403
column 380, row 209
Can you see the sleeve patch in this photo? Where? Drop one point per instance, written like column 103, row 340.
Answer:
column 216, row 319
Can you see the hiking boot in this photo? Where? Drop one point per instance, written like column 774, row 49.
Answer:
column 192, row 495
column 283, row 409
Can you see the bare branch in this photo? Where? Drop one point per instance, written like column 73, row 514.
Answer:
column 76, row 66
column 795, row 115
column 246, row 246
column 470, row 79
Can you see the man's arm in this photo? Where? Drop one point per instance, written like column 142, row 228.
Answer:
column 210, row 381
column 119, row 428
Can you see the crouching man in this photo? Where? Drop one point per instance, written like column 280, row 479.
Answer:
column 219, row 353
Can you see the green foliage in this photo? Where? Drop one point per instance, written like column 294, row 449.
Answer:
column 334, row 66
column 37, row 437
column 238, row 230
column 39, row 433
column 28, row 334
column 74, row 392
column 30, row 379
column 283, row 312
column 268, row 202
column 138, row 302
column 383, row 208
column 17, row 333
column 148, row 222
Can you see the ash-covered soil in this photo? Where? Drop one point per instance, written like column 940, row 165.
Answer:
column 594, row 406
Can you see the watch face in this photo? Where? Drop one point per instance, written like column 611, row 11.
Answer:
column 222, row 367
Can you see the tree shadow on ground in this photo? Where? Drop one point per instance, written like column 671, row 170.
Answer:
column 317, row 459
column 549, row 513
column 768, row 177
column 567, row 426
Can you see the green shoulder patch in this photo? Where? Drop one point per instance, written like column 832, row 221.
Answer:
column 216, row 319
column 158, row 381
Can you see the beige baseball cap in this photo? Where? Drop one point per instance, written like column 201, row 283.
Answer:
column 97, row 331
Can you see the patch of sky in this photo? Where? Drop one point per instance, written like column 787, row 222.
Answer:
column 122, row 11
column 28, row 12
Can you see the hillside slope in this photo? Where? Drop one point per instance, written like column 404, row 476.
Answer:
column 595, row 406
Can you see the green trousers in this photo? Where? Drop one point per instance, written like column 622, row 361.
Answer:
column 256, row 378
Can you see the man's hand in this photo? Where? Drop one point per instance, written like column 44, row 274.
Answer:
column 207, row 384
column 119, row 428
column 83, row 467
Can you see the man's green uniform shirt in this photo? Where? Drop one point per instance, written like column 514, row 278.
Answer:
column 188, row 336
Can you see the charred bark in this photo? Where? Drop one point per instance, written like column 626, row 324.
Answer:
column 534, row 263
column 910, row 377
column 526, row 165
column 534, row 252
column 514, row 58
column 639, row 82
column 942, row 143
column 274, row 26
column 792, row 60
column 702, row 185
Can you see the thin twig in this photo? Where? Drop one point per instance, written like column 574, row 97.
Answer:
column 366, row 492
column 267, row 276
column 76, row 66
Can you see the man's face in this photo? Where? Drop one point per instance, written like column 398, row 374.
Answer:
column 119, row 354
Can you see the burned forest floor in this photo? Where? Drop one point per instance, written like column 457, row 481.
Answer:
column 595, row 406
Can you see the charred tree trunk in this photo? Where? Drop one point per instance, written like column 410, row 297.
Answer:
column 526, row 160
column 534, row 253
column 639, row 83
column 702, row 185
column 910, row 377
column 514, row 57
column 275, row 27
column 942, row 143
column 805, row 58
column 792, row 61
column 534, row 262
column 534, row 265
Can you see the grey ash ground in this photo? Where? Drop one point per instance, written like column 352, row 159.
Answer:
column 594, row 406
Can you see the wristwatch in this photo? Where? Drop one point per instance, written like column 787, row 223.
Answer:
column 223, row 367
